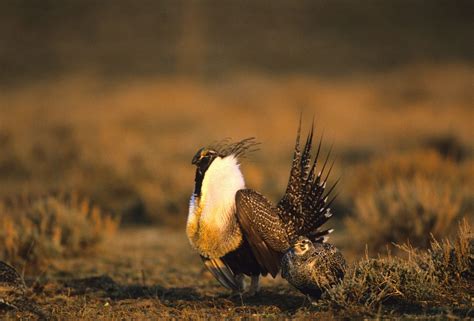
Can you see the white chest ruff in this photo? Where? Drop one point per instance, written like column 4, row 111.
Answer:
column 212, row 226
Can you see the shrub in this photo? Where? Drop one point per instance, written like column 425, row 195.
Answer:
column 372, row 282
column 34, row 231
column 450, row 262
column 408, row 198
column 443, row 272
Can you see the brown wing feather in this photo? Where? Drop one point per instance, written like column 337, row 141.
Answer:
column 262, row 228
column 221, row 272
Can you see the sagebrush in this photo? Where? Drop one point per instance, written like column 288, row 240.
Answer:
column 408, row 197
column 424, row 278
column 35, row 230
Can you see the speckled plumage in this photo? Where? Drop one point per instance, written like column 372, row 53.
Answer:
column 305, row 207
column 312, row 267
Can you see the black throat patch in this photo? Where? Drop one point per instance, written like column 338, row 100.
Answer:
column 206, row 155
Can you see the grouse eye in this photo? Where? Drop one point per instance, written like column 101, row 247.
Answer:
column 203, row 158
column 207, row 156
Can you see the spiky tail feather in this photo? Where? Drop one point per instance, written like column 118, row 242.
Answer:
column 305, row 207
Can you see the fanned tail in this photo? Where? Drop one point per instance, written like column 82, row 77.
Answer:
column 305, row 207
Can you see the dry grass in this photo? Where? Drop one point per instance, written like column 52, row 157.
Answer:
column 439, row 276
column 128, row 147
column 372, row 282
column 425, row 163
column 450, row 262
column 409, row 197
column 84, row 133
column 153, row 273
column 35, row 231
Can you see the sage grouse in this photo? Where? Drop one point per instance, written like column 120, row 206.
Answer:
column 312, row 267
column 237, row 231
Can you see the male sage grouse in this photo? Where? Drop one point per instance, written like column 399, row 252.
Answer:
column 312, row 267
column 237, row 231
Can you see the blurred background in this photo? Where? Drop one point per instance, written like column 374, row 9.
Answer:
column 111, row 99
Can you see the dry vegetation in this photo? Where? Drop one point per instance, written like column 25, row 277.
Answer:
column 128, row 146
column 152, row 273
column 111, row 99
column 409, row 197
column 404, row 146
column 34, row 231
column 440, row 276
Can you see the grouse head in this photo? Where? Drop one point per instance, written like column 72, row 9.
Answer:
column 205, row 157
column 302, row 246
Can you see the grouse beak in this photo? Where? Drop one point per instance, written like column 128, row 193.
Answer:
column 197, row 157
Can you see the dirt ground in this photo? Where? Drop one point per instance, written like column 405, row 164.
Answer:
column 152, row 273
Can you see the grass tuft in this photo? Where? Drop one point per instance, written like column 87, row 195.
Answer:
column 424, row 278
